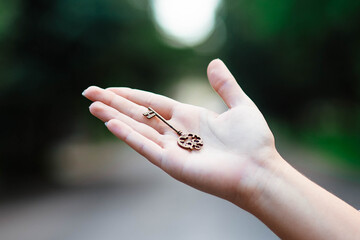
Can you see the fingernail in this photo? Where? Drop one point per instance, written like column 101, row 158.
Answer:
column 83, row 93
column 106, row 124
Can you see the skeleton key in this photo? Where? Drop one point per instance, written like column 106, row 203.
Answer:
column 188, row 141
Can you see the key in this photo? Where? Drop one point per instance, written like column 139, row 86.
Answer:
column 188, row 141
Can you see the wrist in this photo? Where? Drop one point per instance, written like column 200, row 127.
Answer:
column 259, row 179
column 282, row 198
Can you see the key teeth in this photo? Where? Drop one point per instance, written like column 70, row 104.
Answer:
column 149, row 114
column 183, row 137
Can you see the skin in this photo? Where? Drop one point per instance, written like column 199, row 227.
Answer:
column 238, row 162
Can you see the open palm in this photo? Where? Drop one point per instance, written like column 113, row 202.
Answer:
column 236, row 142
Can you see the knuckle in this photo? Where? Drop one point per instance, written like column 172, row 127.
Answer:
column 96, row 107
column 96, row 91
column 112, row 100
column 150, row 100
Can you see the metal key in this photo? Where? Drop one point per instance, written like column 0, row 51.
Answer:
column 188, row 141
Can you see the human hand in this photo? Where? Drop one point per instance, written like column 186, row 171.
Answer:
column 237, row 162
column 238, row 144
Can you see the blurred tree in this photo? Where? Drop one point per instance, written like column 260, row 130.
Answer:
column 50, row 52
column 298, row 60
column 304, row 57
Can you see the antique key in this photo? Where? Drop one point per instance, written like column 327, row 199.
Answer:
column 188, row 141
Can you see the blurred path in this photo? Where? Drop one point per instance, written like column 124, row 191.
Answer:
column 139, row 201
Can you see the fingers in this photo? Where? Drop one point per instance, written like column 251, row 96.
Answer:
column 163, row 105
column 123, row 105
column 225, row 84
column 106, row 113
column 103, row 112
column 135, row 140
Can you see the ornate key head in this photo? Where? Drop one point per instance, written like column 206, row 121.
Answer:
column 190, row 141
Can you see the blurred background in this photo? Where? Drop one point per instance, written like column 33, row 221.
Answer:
column 64, row 176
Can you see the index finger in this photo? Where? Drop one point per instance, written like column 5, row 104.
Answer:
column 163, row 105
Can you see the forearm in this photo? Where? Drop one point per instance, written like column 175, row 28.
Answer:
column 294, row 207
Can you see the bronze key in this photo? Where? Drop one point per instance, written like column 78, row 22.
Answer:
column 188, row 141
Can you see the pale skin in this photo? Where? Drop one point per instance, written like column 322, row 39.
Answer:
column 238, row 162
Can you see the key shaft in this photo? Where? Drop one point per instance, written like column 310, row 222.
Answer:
column 153, row 113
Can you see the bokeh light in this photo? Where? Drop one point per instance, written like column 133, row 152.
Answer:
column 185, row 22
column 64, row 176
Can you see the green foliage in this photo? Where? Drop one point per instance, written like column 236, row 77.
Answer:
column 291, row 57
column 334, row 130
column 8, row 14
column 295, row 57
column 51, row 53
column 341, row 149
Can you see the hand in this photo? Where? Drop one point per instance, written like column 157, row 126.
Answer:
column 238, row 161
column 237, row 143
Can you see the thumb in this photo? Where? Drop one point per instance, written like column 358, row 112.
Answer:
column 225, row 84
